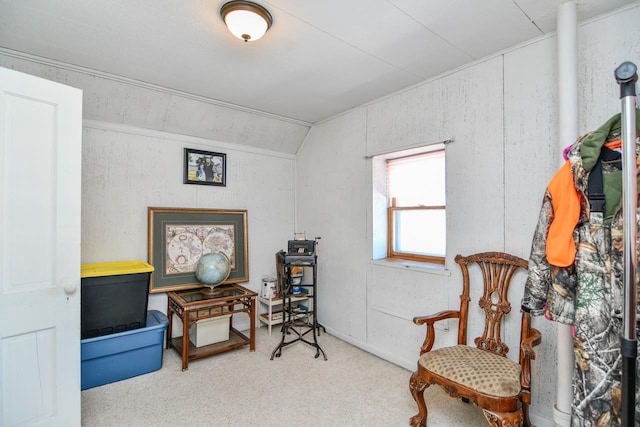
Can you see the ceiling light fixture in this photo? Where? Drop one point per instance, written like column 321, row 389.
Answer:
column 246, row 20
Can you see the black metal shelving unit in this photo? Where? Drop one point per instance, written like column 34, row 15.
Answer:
column 300, row 324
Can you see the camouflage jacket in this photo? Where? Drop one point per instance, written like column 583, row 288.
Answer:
column 588, row 293
column 553, row 290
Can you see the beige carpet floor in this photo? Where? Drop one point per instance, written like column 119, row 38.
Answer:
column 242, row 388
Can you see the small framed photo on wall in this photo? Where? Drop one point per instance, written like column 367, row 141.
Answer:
column 205, row 167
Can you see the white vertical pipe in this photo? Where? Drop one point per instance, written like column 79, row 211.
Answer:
column 568, row 129
column 568, row 73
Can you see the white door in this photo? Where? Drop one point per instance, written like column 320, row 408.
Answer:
column 40, row 165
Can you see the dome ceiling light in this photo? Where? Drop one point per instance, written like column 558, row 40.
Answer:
column 246, row 20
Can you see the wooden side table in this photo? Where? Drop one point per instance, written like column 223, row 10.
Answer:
column 195, row 304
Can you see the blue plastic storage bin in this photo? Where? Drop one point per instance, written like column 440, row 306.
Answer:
column 116, row 357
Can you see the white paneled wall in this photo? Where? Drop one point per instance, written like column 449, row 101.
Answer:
column 503, row 116
column 126, row 170
column 331, row 179
column 532, row 157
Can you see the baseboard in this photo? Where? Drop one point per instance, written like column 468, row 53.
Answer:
column 408, row 365
column 537, row 421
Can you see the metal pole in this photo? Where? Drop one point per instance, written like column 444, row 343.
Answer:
column 626, row 76
column 568, row 128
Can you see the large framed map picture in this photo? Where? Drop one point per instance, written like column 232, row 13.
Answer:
column 179, row 237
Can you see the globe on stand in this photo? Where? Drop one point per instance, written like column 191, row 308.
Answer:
column 213, row 269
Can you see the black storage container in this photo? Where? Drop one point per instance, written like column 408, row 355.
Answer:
column 114, row 297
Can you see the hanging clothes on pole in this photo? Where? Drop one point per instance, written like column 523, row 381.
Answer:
column 575, row 270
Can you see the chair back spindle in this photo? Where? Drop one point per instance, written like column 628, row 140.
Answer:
column 497, row 270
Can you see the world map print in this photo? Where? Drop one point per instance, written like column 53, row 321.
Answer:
column 186, row 243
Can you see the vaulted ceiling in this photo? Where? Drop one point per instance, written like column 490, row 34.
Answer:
column 320, row 58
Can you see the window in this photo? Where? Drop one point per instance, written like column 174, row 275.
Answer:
column 416, row 213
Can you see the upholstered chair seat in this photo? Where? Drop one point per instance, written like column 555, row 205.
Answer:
column 475, row 369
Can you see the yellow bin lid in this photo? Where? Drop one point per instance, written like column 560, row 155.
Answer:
column 114, row 268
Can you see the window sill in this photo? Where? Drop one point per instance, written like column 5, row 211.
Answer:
column 423, row 267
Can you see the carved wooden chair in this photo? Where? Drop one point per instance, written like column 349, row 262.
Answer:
column 481, row 374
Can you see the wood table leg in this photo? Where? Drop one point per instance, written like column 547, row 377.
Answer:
column 185, row 340
column 252, row 327
column 169, row 327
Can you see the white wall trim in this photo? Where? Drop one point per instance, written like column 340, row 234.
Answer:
column 391, row 313
column 409, row 365
column 145, row 85
column 158, row 134
column 421, row 267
